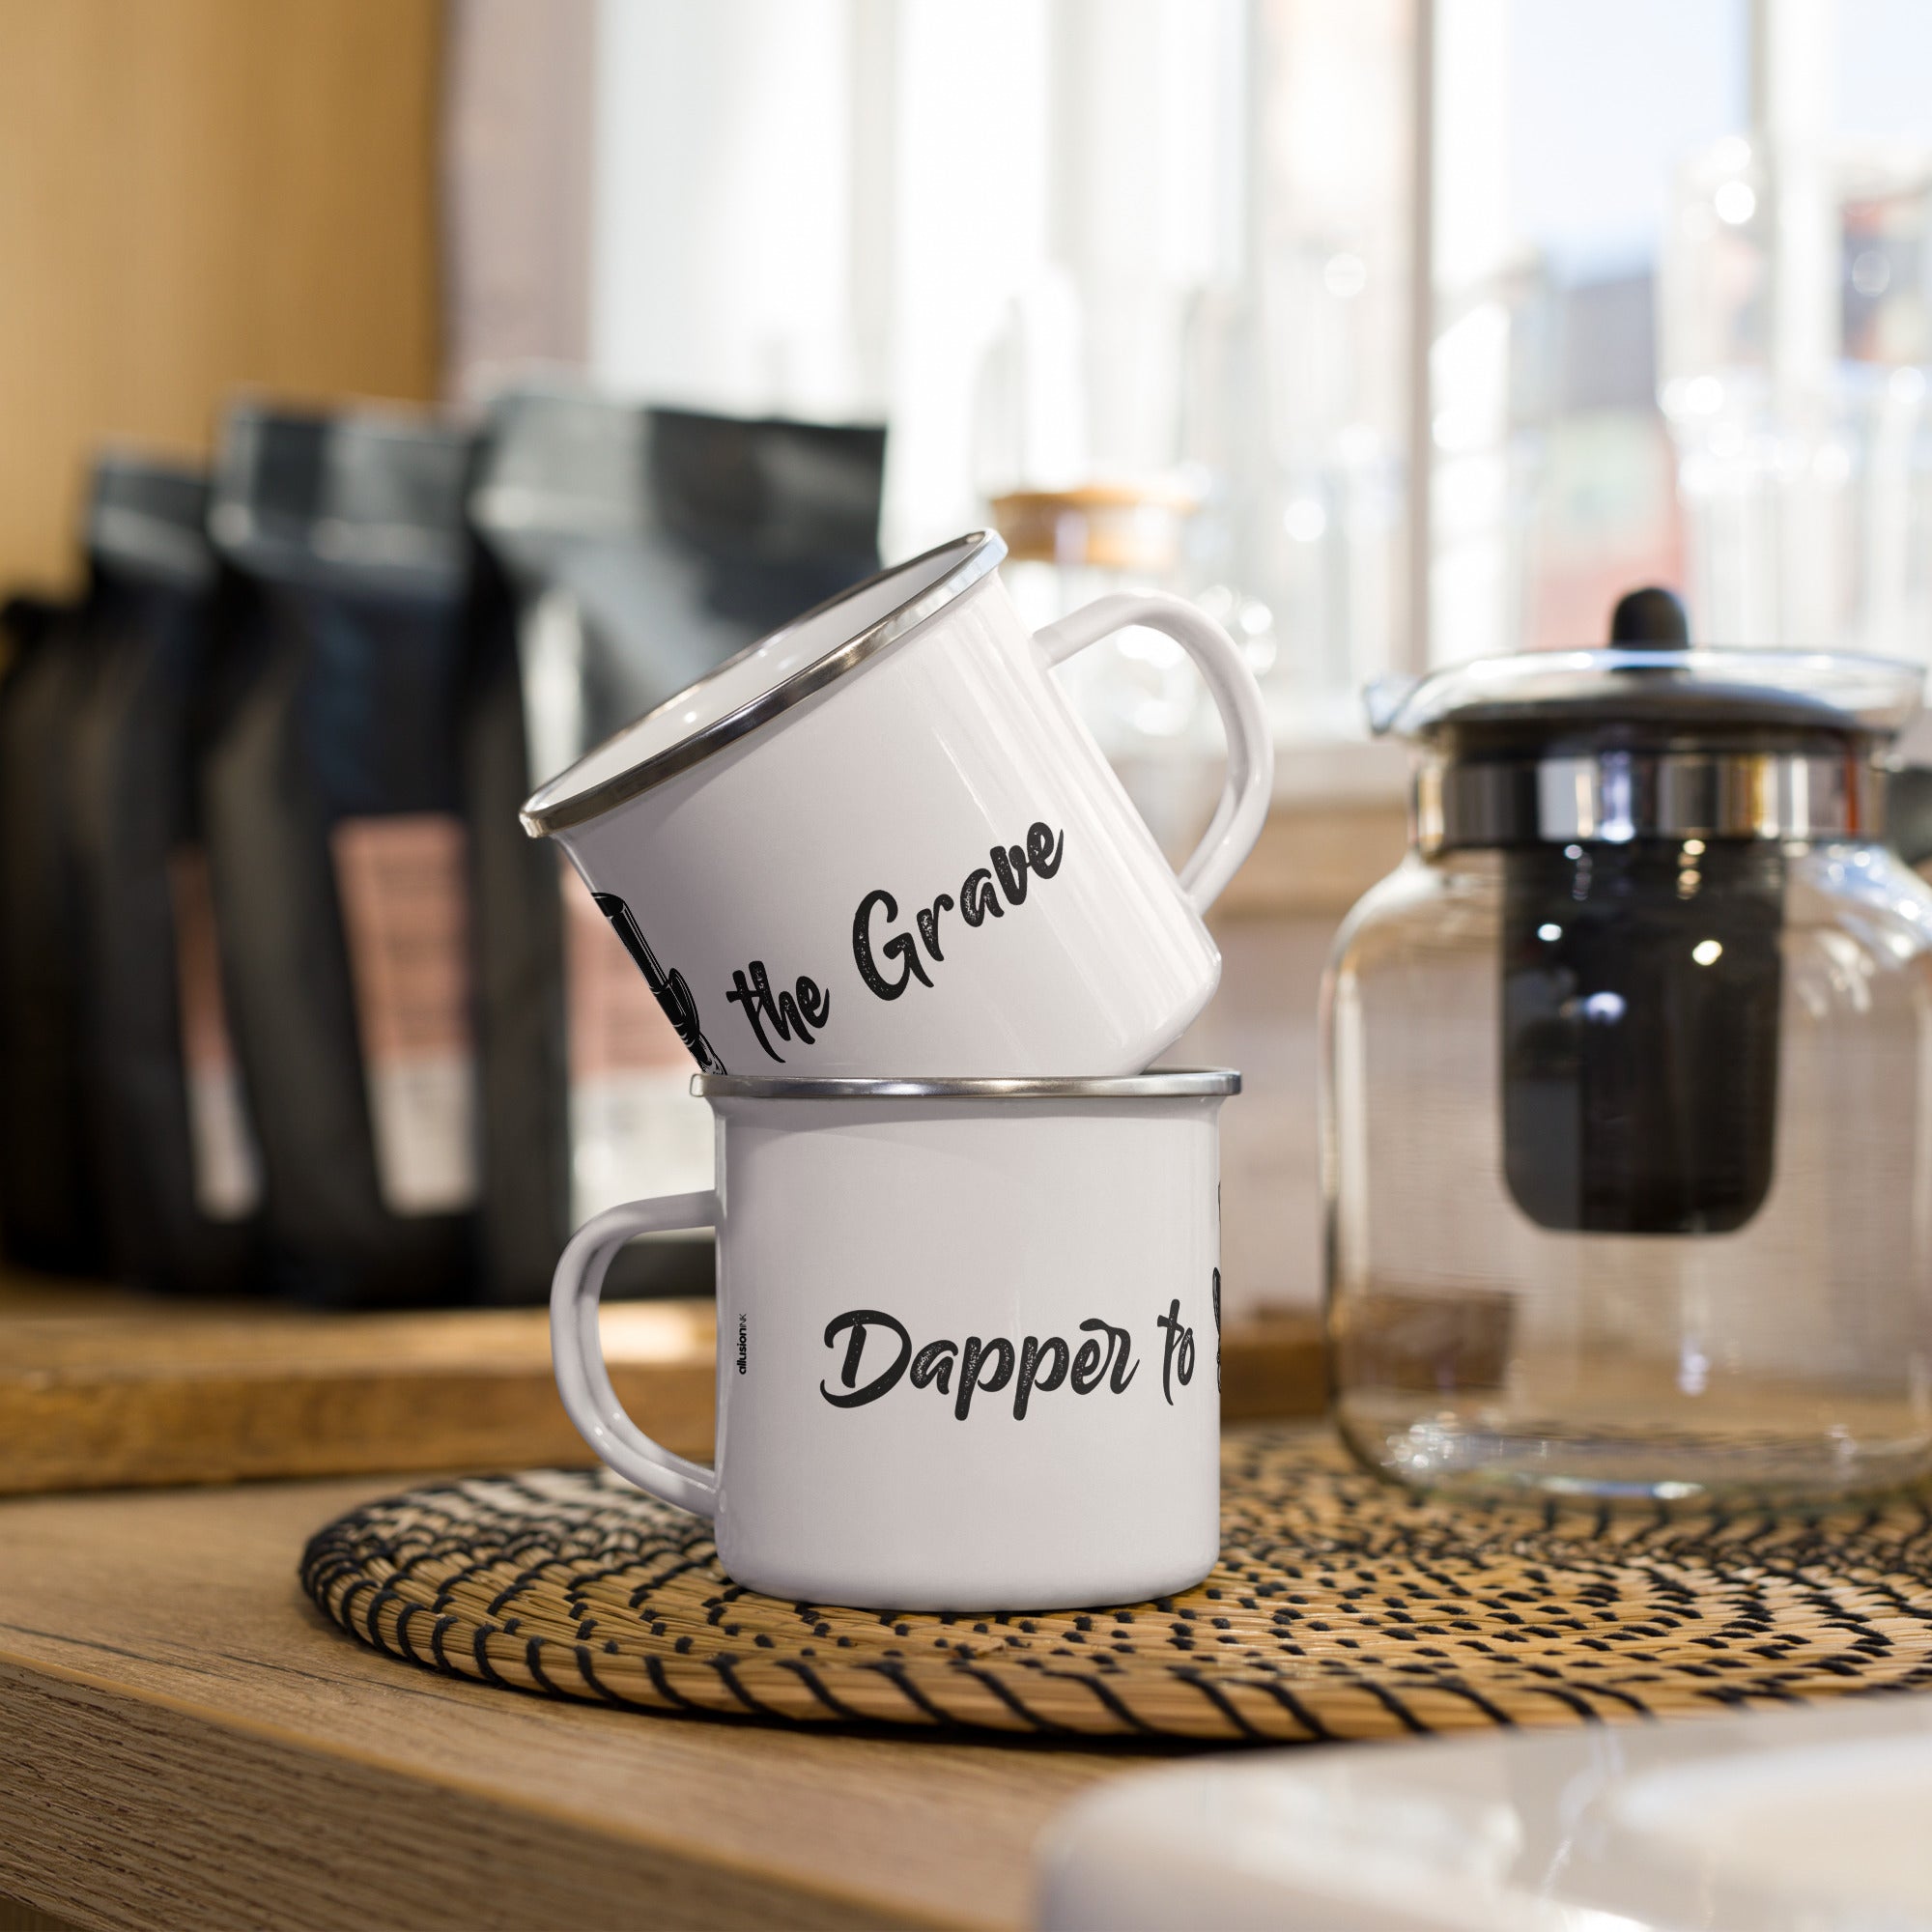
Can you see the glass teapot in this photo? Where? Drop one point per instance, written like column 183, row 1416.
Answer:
column 1626, row 1123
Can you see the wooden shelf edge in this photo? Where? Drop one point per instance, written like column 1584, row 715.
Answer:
column 217, row 1405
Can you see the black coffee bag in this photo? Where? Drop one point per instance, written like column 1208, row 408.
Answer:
column 49, row 1210
column 338, row 851
column 178, row 1169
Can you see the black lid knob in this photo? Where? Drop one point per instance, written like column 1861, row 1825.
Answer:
column 1652, row 615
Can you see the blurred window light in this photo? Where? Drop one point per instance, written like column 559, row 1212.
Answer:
column 1304, row 519
column 1876, row 59
column 1872, row 273
column 1345, row 276
column 1831, row 465
column 1735, row 203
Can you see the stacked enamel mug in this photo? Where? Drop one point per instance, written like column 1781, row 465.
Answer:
column 924, row 951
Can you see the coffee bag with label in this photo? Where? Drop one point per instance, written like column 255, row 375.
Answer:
column 179, row 1167
column 339, row 851
column 623, row 552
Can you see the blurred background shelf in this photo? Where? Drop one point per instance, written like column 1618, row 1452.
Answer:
column 117, row 1393
column 104, row 1389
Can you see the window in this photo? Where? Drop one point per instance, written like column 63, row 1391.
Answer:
column 1647, row 287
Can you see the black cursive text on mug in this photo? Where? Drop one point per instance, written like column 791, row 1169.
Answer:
column 985, row 1366
column 798, row 1011
column 1218, row 1313
column 1178, row 1359
column 981, row 893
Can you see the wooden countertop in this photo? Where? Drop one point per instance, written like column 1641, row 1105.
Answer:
column 185, row 1741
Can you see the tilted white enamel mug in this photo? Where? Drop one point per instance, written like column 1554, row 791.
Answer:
column 968, row 1340
column 880, row 841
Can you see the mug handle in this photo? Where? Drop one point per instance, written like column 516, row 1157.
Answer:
column 1243, row 806
column 577, row 1349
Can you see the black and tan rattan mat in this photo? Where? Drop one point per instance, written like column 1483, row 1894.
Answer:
column 1342, row 1609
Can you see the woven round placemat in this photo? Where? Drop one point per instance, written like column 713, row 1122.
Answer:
column 1342, row 1609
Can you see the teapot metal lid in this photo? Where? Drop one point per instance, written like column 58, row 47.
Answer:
column 1551, row 694
column 1649, row 736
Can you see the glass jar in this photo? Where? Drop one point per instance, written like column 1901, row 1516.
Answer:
column 1628, row 1089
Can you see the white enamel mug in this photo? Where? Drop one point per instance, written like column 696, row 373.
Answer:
column 880, row 841
column 968, row 1340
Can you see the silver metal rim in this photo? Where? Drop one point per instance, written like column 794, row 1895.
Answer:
column 1613, row 797
column 1180, row 1083
column 553, row 808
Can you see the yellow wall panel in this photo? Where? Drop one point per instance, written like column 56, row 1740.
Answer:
column 196, row 194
